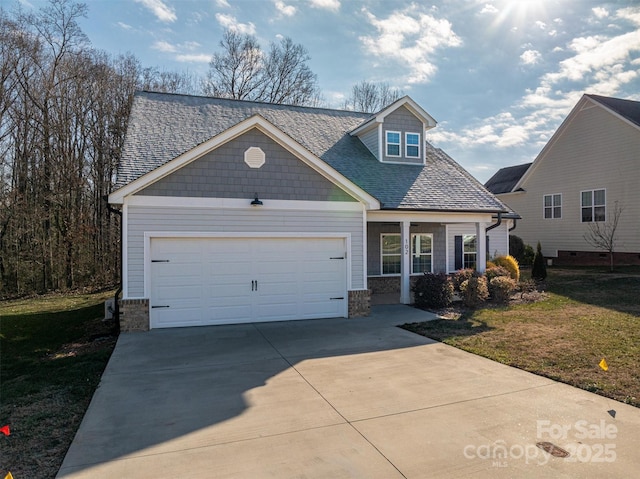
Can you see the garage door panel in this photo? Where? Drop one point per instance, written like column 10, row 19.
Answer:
column 227, row 280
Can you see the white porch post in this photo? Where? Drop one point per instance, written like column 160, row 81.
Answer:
column 405, row 284
column 481, row 241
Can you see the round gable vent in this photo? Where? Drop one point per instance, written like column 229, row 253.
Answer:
column 254, row 157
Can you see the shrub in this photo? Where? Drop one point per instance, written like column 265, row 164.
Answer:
column 539, row 269
column 510, row 263
column 463, row 275
column 490, row 264
column 474, row 291
column 433, row 290
column 501, row 288
column 496, row 271
column 529, row 254
column 516, row 248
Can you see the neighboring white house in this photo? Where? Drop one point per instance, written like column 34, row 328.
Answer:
column 590, row 163
column 236, row 211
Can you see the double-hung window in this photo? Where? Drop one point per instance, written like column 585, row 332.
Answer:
column 552, row 206
column 593, row 205
column 412, row 145
column 393, row 143
column 469, row 251
column 421, row 253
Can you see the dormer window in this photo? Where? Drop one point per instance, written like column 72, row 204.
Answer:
column 412, row 145
column 393, row 143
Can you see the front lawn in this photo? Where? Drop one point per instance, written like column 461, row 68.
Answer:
column 588, row 314
column 53, row 351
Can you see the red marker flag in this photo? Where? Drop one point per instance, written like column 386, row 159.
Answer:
column 5, row 430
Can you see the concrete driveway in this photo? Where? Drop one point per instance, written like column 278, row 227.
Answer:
column 337, row 399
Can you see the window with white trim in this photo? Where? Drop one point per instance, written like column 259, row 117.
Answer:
column 412, row 145
column 469, row 251
column 393, row 143
column 391, row 253
column 552, row 206
column 593, row 206
column 421, row 253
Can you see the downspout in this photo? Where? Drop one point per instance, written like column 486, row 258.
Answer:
column 515, row 223
column 497, row 224
column 116, row 307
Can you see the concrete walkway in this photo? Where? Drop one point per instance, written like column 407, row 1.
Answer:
column 337, row 399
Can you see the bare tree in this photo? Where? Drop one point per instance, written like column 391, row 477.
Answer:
column 602, row 235
column 244, row 72
column 369, row 97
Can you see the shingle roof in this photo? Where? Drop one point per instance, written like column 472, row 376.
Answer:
column 163, row 126
column 627, row 108
column 506, row 178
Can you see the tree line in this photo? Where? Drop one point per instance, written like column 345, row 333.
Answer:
column 64, row 107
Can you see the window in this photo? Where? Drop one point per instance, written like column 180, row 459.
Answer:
column 391, row 250
column 469, row 250
column 393, row 143
column 552, row 206
column 421, row 251
column 412, row 145
column 593, row 206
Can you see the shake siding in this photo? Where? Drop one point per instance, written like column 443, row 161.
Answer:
column 404, row 121
column 142, row 219
column 370, row 140
column 596, row 151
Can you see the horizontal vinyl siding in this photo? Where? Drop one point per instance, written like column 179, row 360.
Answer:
column 149, row 219
column 596, row 151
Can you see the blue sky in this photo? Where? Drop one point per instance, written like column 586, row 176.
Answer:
column 499, row 76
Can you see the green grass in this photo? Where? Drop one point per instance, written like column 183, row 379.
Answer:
column 53, row 351
column 588, row 314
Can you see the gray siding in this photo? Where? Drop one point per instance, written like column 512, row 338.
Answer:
column 370, row 140
column 596, row 151
column 374, row 230
column 222, row 173
column 404, row 121
column 148, row 219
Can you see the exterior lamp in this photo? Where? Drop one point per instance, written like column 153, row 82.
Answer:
column 256, row 201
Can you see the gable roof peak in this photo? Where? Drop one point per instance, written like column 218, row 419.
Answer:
column 405, row 101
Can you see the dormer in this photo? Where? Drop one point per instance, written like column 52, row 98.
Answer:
column 396, row 133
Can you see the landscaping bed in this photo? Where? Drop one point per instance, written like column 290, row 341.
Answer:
column 584, row 315
column 53, row 350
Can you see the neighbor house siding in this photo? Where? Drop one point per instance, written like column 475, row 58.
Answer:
column 222, row 173
column 404, row 121
column 595, row 151
column 370, row 140
column 374, row 230
column 143, row 219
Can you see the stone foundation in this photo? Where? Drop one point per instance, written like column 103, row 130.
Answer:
column 359, row 303
column 134, row 315
column 384, row 284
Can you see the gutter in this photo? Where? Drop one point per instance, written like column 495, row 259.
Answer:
column 515, row 223
column 116, row 307
column 497, row 224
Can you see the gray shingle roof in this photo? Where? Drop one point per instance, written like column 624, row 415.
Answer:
column 163, row 126
column 627, row 108
column 506, row 178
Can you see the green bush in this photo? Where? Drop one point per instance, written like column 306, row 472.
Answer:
column 463, row 275
column 529, row 254
column 496, row 271
column 516, row 248
column 501, row 288
column 433, row 290
column 510, row 263
column 474, row 291
column 539, row 269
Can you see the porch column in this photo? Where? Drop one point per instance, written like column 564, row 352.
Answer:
column 481, row 245
column 405, row 283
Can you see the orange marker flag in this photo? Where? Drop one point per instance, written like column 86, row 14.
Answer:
column 603, row 364
column 5, row 430
column 8, row 476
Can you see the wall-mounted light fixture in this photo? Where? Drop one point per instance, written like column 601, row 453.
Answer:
column 256, row 201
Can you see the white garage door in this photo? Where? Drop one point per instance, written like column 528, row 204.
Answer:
column 206, row 281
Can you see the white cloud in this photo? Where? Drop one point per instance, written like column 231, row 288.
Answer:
column 230, row 22
column 193, row 58
column 125, row 26
column 286, row 10
column 600, row 12
column 163, row 12
column 165, row 47
column 530, row 57
column 541, row 25
column 223, row 4
column 488, row 8
column 333, row 5
column 411, row 36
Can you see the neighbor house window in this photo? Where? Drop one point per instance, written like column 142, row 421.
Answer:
column 552, row 206
column 469, row 251
column 421, row 253
column 412, row 145
column 593, row 206
column 391, row 251
column 393, row 143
